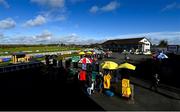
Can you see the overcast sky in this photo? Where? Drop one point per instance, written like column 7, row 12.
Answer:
column 88, row 21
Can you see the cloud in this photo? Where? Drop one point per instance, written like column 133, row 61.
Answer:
column 7, row 23
column 4, row 39
column 45, row 35
column 54, row 15
column 155, row 37
column 50, row 3
column 72, row 38
column 61, row 18
column 42, row 38
column 1, row 35
column 76, row 39
column 39, row 20
column 94, row 9
column 113, row 5
column 21, row 40
column 171, row 6
column 4, row 3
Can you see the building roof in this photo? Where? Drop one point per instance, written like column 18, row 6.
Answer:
column 124, row 41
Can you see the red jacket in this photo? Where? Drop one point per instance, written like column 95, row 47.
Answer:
column 82, row 75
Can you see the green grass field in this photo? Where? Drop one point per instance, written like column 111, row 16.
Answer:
column 36, row 49
column 9, row 51
column 62, row 57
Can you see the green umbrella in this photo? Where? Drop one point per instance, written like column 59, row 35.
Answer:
column 75, row 58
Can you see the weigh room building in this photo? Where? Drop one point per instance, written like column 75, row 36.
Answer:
column 119, row 45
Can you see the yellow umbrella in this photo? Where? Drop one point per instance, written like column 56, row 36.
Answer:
column 109, row 65
column 127, row 66
column 89, row 52
column 82, row 53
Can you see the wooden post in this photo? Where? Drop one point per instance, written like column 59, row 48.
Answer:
column 15, row 59
column 12, row 58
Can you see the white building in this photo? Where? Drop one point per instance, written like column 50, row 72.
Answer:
column 119, row 45
column 146, row 45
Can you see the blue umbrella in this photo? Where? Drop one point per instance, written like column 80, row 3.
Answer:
column 39, row 56
column 6, row 59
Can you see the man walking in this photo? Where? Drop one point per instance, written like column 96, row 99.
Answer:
column 155, row 82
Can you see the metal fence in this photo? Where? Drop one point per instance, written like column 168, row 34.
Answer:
column 18, row 67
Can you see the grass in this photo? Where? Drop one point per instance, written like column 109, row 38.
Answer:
column 35, row 49
column 40, row 49
column 62, row 57
column 5, row 63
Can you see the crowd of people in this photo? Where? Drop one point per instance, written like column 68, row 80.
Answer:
column 92, row 79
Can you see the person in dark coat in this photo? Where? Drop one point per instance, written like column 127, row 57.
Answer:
column 155, row 82
column 99, row 82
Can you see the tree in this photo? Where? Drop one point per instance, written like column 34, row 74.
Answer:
column 163, row 43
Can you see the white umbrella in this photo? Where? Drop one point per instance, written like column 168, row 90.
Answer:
column 162, row 56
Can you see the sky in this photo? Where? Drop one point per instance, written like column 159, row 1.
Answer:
column 88, row 21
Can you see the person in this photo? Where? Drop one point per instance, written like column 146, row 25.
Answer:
column 54, row 62
column 75, row 64
column 90, row 89
column 84, row 67
column 125, row 74
column 71, row 73
column 67, row 63
column 95, row 65
column 62, row 74
column 107, row 80
column 60, row 63
column 126, row 85
column 82, row 77
column 155, row 82
column 99, row 82
column 93, row 77
column 126, row 58
column 47, row 59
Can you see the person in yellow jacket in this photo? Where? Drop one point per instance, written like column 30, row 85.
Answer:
column 107, row 80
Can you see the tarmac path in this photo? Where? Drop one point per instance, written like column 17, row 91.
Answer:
column 144, row 98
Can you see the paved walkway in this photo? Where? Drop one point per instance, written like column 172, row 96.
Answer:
column 145, row 99
column 165, row 90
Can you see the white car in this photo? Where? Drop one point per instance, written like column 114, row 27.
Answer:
column 147, row 53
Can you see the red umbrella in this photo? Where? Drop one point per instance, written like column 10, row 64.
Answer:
column 85, row 60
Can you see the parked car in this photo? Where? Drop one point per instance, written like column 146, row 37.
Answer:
column 147, row 53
